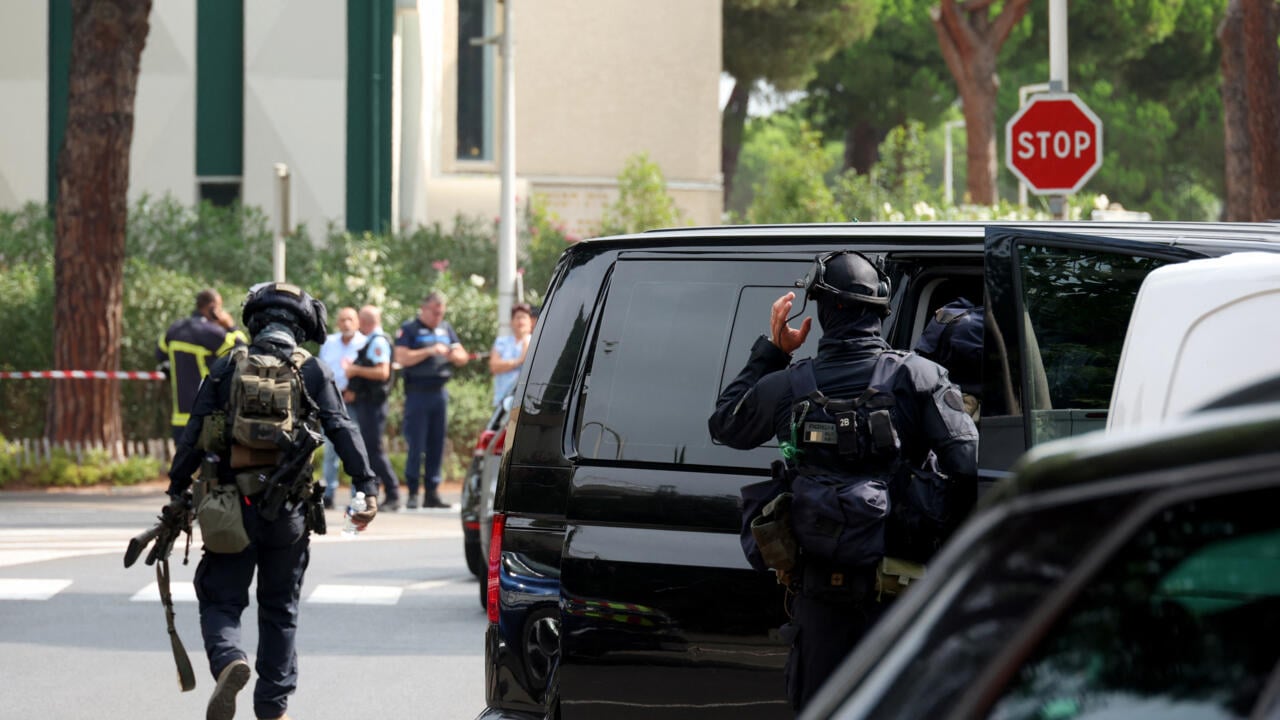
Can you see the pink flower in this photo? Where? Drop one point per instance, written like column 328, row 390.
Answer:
column 520, row 271
column 440, row 265
column 571, row 238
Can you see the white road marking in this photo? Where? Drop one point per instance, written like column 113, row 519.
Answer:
column 355, row 595
column 181, row 591
column 23, row 546
column 24, row 589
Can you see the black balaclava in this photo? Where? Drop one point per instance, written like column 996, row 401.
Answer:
column 848, row 319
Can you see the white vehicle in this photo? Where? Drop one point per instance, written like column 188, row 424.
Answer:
column 1199, row 330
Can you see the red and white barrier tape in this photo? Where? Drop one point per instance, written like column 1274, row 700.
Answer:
column 82, row 375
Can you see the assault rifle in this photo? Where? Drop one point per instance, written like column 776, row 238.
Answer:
column 174, row 519
column 292, row 478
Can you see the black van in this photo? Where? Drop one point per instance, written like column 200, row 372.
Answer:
column 617, row 586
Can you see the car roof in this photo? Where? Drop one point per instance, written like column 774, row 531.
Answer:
column 1231, row 432
column 1206, row 235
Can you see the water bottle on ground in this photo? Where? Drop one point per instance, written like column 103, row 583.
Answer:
column 357, row 505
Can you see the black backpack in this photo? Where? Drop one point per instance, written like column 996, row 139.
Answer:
column 860, row 500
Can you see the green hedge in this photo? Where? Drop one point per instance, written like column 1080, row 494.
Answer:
column 174, row 251
column 62, row 469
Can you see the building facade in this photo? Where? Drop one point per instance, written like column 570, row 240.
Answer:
column 384, row 111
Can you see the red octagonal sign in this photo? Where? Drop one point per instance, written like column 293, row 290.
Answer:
column 1054, row 144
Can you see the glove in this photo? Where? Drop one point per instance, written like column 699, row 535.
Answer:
column 178, row 507
column 362, row 519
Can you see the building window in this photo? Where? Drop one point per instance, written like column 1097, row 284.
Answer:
column 220, row 192
column 475, row 87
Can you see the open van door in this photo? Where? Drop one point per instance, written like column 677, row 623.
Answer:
column 1200, row 330
column 1058, row 307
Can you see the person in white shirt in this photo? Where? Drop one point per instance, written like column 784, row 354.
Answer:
column 339, row 346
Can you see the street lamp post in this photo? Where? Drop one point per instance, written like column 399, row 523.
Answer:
column 507, row 228
column 507, row 203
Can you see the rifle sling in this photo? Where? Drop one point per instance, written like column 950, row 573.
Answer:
column 186, row 676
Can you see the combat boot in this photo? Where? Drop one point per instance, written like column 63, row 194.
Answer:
column 222, row 704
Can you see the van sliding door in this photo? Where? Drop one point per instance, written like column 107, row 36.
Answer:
column 1058, row 307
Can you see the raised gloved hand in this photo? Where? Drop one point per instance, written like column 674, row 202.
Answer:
column 362, row 519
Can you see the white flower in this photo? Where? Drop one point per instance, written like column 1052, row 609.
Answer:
column 1101, row 202
column 476, row 280
column 353, row 283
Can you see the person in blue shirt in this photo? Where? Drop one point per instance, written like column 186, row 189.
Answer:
column 427, row 350
column 507, row 355
column 368, row 387
column 342, row 345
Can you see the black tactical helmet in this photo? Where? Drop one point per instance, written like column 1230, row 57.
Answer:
column 848, row 276
column 283, row 301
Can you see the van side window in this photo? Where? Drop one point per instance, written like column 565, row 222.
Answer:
column 1172, row 626
column 669, row 333
column 1075, row 309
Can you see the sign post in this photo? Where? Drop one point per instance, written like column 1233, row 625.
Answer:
column 1054, row 144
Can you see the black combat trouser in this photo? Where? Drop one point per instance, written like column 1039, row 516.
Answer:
column 279, row 551
column 371, row 418
column 827, row 621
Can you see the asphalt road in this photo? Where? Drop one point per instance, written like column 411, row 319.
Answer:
column 391, row 625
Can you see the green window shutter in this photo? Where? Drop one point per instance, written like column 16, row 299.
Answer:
column 370, row 26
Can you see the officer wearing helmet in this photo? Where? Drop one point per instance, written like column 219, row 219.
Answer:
column 834, row 604
column 279, row 317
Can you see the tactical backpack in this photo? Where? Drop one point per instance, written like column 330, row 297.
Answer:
column 855, row 498
column 266, row 397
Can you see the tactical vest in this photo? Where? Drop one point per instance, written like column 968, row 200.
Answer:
column 264, row 410
column 856, row 500
column 365, row 389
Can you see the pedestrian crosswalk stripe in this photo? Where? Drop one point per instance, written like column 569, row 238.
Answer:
column 355, row 595
column 24, row 546
column 181, row 591
column 24, row 589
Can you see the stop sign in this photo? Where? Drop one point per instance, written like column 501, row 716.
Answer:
column 1054, row 144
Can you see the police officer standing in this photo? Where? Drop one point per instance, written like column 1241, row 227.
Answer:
column 836, row 604
column 428, row 349
column 368, row 387
column 280, row 317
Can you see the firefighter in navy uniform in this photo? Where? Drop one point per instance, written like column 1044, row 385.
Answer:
column 280, row 317
column 834, row 605
column 188, row 348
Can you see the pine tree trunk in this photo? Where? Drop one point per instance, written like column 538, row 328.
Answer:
column 970, row 40
column 1262, row 60
column 1235, row 117
column 861, row 147
column 732, row 123
column 92, row 207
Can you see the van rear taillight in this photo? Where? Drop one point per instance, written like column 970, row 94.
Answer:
column 495, row 555
column 483, row 441
column 500, row 442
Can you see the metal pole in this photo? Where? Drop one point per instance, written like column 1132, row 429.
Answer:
column 948, row 174
column 282, row 202
column 1058, row 77
column 1025, row 92
column 507, row 221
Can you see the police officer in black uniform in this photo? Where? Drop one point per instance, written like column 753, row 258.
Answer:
column 836, row 605
column 279, row 316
